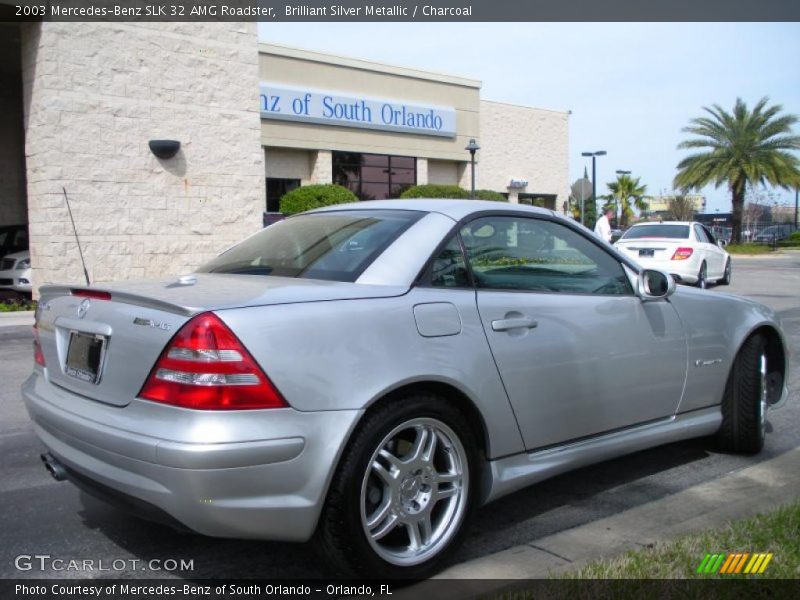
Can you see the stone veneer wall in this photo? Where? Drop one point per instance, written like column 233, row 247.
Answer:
column 524, row 142
column 94, row 94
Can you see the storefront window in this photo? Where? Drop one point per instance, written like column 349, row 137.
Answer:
column 374, row 176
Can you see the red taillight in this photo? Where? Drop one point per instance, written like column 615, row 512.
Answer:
column 682, row 253
column 205, row 366
column 96, row 294
column 38, row 356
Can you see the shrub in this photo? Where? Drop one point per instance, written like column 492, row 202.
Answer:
column 315, row 196
column 795, row 236
column 435, row 190
column 489, row 195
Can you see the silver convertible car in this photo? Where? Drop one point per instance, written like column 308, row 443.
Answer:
column 368, row 375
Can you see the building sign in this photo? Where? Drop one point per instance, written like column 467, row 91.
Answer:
column 305, row 105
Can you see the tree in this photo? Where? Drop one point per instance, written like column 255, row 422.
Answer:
column 626, row 193
column 680, row 208
column 740, row 148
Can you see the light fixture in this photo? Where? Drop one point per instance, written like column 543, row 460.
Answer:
column 164, row 148
column 594, row 155
column 472, row 147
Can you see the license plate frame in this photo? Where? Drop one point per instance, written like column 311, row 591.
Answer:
column 85, row 356
column 646, row 252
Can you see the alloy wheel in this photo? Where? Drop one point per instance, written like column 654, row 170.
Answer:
column 414, row 491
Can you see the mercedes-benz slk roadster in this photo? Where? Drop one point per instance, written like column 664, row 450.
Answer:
column 368, row 375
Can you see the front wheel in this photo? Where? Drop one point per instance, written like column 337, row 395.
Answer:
column 744, row 402
column 403, row 492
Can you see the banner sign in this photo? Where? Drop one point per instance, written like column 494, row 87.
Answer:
column 306, row 105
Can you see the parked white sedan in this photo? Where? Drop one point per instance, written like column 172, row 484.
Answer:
column 686, row 250
column 15, row 272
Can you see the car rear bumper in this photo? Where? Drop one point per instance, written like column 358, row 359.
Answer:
column 210, row 474
column 683, row 271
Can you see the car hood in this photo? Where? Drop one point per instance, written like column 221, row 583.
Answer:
column 23, row 254
column 195, row 293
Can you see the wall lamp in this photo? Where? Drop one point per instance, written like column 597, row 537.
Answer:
column 164, row 148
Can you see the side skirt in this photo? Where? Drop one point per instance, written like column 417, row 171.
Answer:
column 515, row 472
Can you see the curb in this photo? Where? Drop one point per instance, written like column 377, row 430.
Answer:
column 741, row 494
column 16, row 313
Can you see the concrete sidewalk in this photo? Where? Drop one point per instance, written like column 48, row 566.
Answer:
column 741, row 494
column 15, row 319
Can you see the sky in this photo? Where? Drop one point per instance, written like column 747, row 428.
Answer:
column 631, row 87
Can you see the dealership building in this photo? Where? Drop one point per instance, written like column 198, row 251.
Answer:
column 81, row 102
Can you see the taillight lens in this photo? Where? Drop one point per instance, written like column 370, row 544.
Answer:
column 682, row 253
column 205, row 366
column 38, row 356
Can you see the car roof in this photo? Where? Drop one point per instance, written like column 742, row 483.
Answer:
column 456, row 209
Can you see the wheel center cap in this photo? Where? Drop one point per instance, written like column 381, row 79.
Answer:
column 410, row 488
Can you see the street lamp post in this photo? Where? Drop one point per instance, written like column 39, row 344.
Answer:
column 473, row 148
column 594, row 155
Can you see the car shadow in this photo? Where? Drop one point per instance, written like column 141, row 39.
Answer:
column 546, row 508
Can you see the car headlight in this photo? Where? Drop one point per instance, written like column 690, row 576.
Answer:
column 25, row 263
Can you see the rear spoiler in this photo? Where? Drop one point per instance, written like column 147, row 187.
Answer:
column 48, row 292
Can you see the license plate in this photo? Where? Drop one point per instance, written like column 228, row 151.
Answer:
column 85, row 356
column 646, row 252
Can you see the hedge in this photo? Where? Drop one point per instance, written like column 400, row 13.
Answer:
column 315, row 196
column 435, row 190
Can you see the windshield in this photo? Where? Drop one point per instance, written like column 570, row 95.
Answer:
column 336, row 246
column 657, row 230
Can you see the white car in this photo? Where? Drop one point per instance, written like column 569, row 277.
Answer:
column 15, row 272
column 686, row 250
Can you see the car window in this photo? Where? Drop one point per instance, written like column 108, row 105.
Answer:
column 448, row 268
column 701, row 235
column 709, row 235
column 335, row 246
column 657, row 230
column 518, row 253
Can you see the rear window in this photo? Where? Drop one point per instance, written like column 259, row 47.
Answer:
column 335, row 246
column 657, row 230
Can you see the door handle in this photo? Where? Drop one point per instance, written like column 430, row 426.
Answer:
column 514, row 323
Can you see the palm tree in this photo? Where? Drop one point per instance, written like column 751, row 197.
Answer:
column 627, row 192
column 742, row 148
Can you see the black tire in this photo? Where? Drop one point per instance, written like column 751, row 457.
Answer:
column 744, row 403
column 701, row 277
column 343, row 534
column 726, row 278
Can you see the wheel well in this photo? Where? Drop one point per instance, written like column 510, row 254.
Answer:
column 459, row 400
column 776, row 361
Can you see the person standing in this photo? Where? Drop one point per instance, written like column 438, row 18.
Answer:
column 602, row 228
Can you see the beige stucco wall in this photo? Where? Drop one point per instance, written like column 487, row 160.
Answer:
column 94, row 94
column 443, row 172
column 289, row 163
column 522, row 142
column 291, row 66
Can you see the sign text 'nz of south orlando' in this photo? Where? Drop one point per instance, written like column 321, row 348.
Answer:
column 288, row 103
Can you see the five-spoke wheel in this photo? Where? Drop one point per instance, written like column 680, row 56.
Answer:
column 413, row 493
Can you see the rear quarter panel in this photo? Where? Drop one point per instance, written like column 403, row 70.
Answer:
column 348, row 354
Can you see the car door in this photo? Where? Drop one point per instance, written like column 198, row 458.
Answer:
column 578, row 352
column 713, row 254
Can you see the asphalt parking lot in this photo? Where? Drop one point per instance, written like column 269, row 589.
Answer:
column 44, row 517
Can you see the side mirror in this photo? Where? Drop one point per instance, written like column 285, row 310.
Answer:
column 722, row 243
column 654, row 285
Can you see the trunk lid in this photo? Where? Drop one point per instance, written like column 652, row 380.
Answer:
column 645, row 249
column 104, row 349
